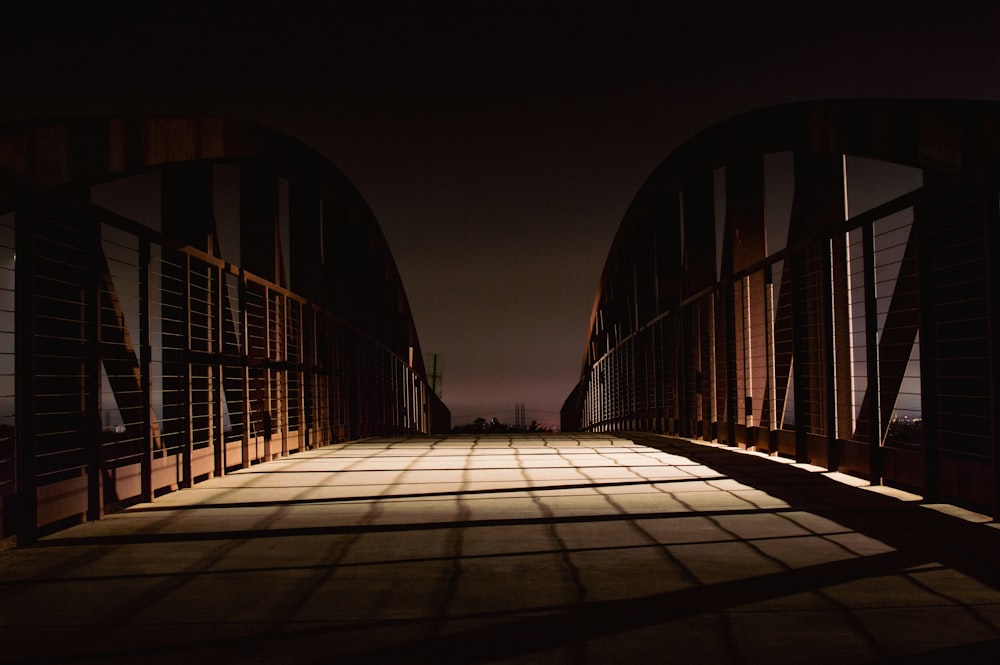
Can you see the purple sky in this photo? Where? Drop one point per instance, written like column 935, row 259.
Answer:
column 499, row 145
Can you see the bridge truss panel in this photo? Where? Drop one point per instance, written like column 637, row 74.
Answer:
column 862, row 343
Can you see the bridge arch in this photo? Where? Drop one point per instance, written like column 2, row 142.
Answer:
column 816, row 281
column 184, row 296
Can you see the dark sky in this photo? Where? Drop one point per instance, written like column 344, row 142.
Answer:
column 498, row 143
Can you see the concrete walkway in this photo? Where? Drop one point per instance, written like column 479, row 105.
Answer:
column 557, row 549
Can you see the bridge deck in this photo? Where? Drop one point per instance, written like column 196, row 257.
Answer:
column 528, row 549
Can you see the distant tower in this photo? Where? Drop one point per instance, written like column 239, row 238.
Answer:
column 519, row 415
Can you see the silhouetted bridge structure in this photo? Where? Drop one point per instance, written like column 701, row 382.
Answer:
column 190, row 296
column 817, row 281
column 186, row 302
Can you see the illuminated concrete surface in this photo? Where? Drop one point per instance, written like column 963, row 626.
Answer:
column 554, row 549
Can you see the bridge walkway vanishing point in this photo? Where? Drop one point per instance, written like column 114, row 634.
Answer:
column 529, row 549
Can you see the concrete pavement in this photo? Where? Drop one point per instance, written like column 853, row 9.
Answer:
column 522, row 549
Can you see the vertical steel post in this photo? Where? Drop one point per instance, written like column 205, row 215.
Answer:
column 145, row 375
column 772, row 384
column 268, row 375
column 871, row 344
column 842, row 339
column 187, row 442
column 286, row 408
column 991, row 199
column 93, row 367
column 928, row 363
column 245, row 371
column 829, row 356
column 216, row 327
column 732, row 415
column 25, row 328
column 800, row 352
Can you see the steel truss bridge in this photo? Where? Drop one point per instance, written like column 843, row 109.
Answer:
column 156, row 330
column 817, row 281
